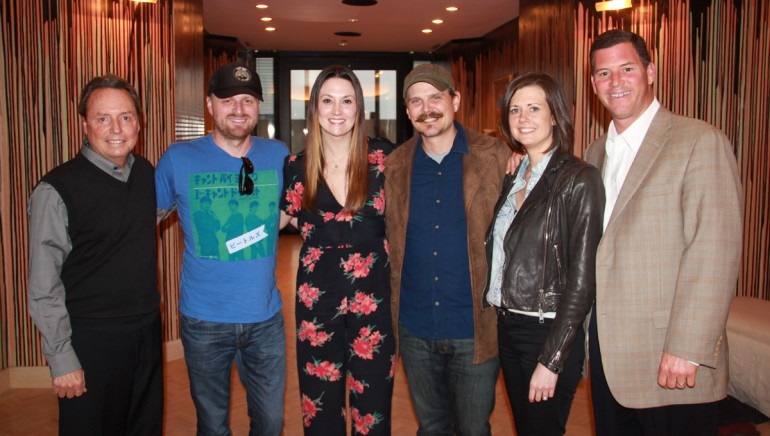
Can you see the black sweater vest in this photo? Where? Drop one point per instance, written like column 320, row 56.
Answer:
column 112, row 268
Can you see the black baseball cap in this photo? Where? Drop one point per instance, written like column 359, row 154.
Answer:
column 236, row 78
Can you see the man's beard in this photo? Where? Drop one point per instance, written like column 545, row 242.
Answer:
column 236, row 133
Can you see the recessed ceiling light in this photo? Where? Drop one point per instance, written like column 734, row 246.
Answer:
column 261, row 6
column 359, row 2
column 270, row 29
column 453, row 9
column 349, row 34
column 266, row 19
column 427, row 30
column 437, row 21
column 343, row 43
column 353, row 20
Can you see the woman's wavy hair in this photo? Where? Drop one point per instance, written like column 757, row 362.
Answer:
column 563, row 130
column 358, row 160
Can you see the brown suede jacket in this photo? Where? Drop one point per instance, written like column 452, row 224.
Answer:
column 483, row 171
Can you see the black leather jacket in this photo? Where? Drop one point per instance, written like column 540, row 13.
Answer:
column 550, row 250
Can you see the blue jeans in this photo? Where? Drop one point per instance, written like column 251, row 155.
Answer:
column 450, row 394
column 259, row 350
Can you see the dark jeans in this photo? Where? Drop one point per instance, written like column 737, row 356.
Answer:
column 450, row 394
column 259, row 351
column 124, row 377
column 613, row 419
column 520, row 339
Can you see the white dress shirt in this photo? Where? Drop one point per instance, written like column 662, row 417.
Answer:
column 621, row 149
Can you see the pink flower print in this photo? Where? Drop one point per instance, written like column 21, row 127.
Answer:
column 294, row 198
column 367, row 343
column 344, row 216
column 308, row 295
column 320, row 338
column 362, row 424
column 293, row 158
column 310, row 331
column 379, row 202
column 363, row 348
column 357, row 266
column 306, row 230
column 356, row 386
column 325, row 370
column 310, row 409
column 377, row 159
column 342, row 309
column 364, row 304
column 327, row 216
column 312, row 256
column 392, row 372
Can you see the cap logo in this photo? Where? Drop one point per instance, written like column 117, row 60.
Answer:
column 242, row 74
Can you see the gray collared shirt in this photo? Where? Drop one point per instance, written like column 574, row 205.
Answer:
column 49, row 246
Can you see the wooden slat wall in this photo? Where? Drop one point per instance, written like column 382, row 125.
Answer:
column 50, row 49
column 709, row 57
column 477, row 67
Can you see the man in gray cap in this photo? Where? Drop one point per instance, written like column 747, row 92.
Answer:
column 441, row 186
column 229, row 304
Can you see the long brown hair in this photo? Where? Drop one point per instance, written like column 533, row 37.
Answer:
column 358, row 159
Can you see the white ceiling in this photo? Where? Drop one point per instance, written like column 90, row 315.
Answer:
column 388, row 26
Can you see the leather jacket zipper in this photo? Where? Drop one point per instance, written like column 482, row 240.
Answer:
column 558, row 261
column 545, row 259
column 542, row 303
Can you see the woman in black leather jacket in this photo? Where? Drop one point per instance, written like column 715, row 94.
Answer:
column 541, row 248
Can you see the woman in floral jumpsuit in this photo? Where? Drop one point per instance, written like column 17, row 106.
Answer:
column 334, row 188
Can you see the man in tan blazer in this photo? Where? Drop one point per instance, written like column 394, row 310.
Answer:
column 668, row 262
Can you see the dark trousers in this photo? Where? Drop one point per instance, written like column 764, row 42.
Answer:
column 613, row 419
column 520, row 339
column 345, row 356
column 124, row 381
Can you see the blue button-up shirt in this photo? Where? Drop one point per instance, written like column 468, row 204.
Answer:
column 436, row 300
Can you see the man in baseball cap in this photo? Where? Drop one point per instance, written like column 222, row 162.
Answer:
column 230, row 306
column 433, row 74
column 236, row 78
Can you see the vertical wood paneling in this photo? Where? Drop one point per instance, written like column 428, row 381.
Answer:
column 476, row 68
column 50, row 49
column 709, row 57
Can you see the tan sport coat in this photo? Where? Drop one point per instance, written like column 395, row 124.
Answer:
column 668, row 262
column 483, row 171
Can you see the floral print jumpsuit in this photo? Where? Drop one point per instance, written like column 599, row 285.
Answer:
column 345, row 340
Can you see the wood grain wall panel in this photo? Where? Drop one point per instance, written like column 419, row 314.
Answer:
column 480, row 69
column 50, row 49
column 546, row 40
column 708, row 56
